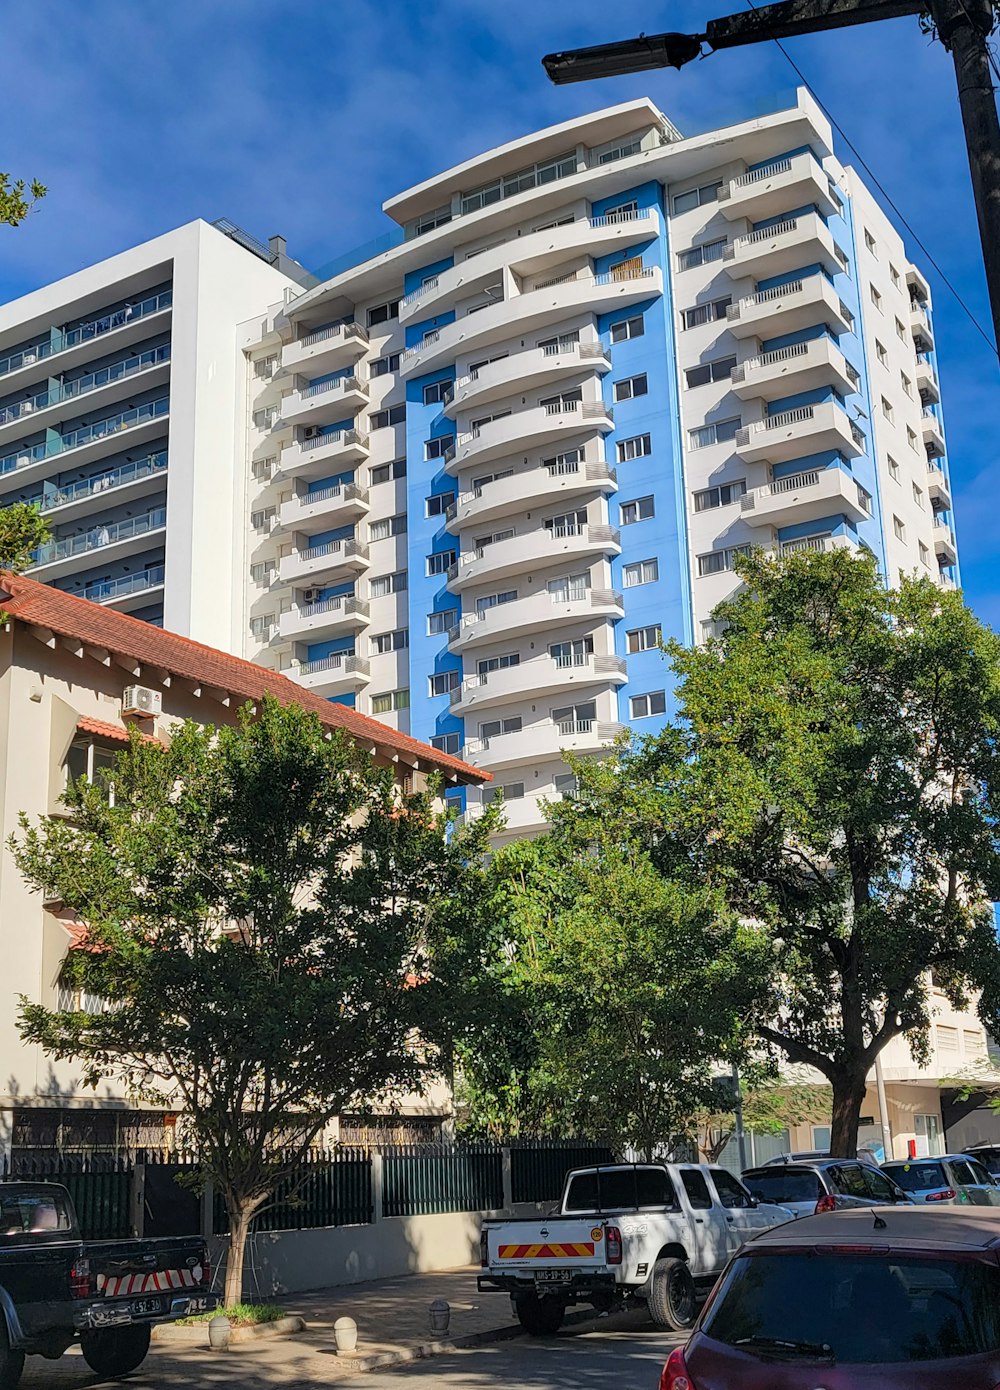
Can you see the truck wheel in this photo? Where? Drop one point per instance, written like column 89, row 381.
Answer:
column 11, row 1362
column 540, row 1317
column 115, row 1351
column 671, row 1298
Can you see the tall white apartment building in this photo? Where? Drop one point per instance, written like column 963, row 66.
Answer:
column 489, row 467
column 118, row 419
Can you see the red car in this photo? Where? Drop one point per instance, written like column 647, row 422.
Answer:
column 880, row 1298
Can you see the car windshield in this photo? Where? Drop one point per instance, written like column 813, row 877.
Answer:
column 784, row 1185
column 867, row 1309
column 916, row 1177
column 620, row 1189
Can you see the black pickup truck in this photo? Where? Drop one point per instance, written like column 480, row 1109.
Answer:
column 56, row 1287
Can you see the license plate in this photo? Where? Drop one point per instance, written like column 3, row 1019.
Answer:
column 143, row 1306
column 110, row 1317
column 553, row 1276
column 197, row 1305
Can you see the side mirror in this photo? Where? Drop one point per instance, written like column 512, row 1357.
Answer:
column 753, row 1203
column 900, row 1195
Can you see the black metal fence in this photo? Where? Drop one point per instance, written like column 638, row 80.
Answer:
column 328, row 1188
column 538, row 1169
column 101, row 1188
column 424, row 1179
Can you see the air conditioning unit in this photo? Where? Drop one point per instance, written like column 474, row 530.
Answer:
column 139, row 699
column 309, row 595
column 27, row 407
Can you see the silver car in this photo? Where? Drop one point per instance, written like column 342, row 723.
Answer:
column 952, row 1180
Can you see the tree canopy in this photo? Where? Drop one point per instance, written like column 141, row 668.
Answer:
column 17, row 198
column 22, row 530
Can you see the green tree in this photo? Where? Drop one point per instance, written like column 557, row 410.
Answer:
column 255, row 898
column 18, row 198
column 22, row 530
column 840, row 786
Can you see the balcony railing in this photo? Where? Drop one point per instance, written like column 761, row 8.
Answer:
column 334, row 437
column 93, row 381
column 53, row 497
column 60, row 341
column 342, row 383
column 349, row 664
column 348, row 604
column 350, row 492
column 762, row 234
column 335, row 330
column 124, row 420
column 103, row 590
column 345, row 547
column 804, row 543
column 100, row 536
column 766, row 171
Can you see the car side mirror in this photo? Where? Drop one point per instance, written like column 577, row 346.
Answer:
column 899, row 1195
column 752, row 1202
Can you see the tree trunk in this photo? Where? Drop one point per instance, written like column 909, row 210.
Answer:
column 240, row 1217
column 848, row 1098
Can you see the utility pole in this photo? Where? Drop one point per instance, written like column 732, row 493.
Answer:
column 741, row 1140
column 963, row 26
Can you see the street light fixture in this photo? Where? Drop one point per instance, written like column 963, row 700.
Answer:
column 620, row 59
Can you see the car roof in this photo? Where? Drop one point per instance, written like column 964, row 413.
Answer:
column 900, row 1227
column 801, row 1165
column 927, row 1158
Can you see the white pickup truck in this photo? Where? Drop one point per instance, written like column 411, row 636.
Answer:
column 651, row 1231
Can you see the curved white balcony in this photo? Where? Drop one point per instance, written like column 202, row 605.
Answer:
column 787, row 371
column 532, row 486
column 807, row 496
column 938, row 488
column 536, row 549
column 788, row 308
column 127, row 483
column 311, row 458
column 532, row 427
column 523, row 313
column 534, row 367
column 542, row 742
column 319, row 563
column 793, row 181
column 330, row 617
column 522, row 816
column 325, row 350
column 933, row 434
column 95, row 391
column 542, row 675
column 112, row 541
column 944, row 542
column 920, row 327
column 333, row 675
column 323, row 510
column 785, row 246
column 927, row 382
column 791, row 434
column 538, row 613
column 129, row 591
column 325, row 401
column 527, row 255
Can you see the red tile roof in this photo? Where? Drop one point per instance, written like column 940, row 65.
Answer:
column 40, row 605
column 119, row 732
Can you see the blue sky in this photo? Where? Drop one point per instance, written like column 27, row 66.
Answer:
column 301, row 119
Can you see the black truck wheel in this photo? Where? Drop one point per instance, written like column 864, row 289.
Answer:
column 11, row 1362
column 540, row 1317
column 115, row 1351
column 671, row 1298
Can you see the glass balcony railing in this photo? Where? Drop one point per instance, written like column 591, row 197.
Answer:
column 84, row 332
column 104, row 590
column 100, row 536
column 93, row 381
column 114, row 424
column 53, row 496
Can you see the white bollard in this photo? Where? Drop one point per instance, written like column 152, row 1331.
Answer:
column 440, row 1315
column 219, row 1330
column 345, row 1331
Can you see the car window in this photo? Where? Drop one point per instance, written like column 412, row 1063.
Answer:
column 917, row 1177
column 963, row 1173
column 32, row 1213
column 848, row 1180
column 878, row 1184
column 731, row 1193
column 784, row 1185
column 990, row 1158
column 620, row 1189
column 981, row 1175
column 696, row 1188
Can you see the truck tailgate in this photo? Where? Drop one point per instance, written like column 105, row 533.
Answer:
column 556, row 1243
column 123, row 1268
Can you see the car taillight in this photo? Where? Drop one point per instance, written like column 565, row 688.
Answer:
column 206, row 1270
column 945, row 1195
column 613, row 1245
column 484, row 1249
column 675, row 1373
column 826, row 1203
column 81, row 1281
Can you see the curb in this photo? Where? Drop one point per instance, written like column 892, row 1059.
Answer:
column 197, row 1334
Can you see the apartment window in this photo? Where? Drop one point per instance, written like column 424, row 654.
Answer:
column 630, row 387
column 628, row 328
column 925, row 554
column 441, row 622
column 561, row 464
column 719, row 561
column 918, row 496
column 900, row 331
column 893, row 467
column 444, row 683
column 632, row 144
column 382, row 313
column 262, row 626
column 384, row 584
column 476, row 367
column 438, row 218
column 485, row 479
column 643, row 706
column 887, row 409
column 911, row 438
column 566, row 523
column 488, row 601
column 394, row 415
column 722, row 496
column 387, row 526
column 883, row 356
column 89, row 759
column 697, row 197
column 899, row 529
column 498, row 663
column 482, row 542
column 643, row 639
column 572, row 653
column 264, row 418
column 438, row 393
column 719, row 370
column 264, row 367
column 702, row 255
column 396, row 641
column 386, row 472
column 511, row 791
column 442, row 447
column 566, row 785
column 906, row 383
column 642, row 572
column 568, row 588
column 639, row 510
column 706, row 313
column 563, row 342
column 876, row 297
column 263, row 571
column 894, row 275
column 565, row 221
column 638, row 446
column 447, row 743
column 438, row 503
column 381, row 366
column 721, row 432
column 390, row 700
column 554, row 405
column 440, row 562
column 510, row 184
column 261, row 521
column 870, row 243
column 261, row 469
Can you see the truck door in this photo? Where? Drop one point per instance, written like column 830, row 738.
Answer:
column 709, row 1227
column 39, row 1244
column 743, row 1219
